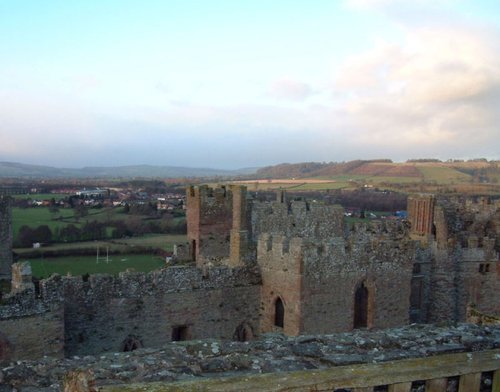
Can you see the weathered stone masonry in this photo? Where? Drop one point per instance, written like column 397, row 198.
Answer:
column 289, row 266
column 458, row 260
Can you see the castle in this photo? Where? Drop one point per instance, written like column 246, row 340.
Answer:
column 289, row 266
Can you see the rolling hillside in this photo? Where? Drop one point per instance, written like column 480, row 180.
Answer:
column 20, row 170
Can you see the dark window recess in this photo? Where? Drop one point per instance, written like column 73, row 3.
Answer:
column 193, row 250
column 361, row 307
column 131, row 343
column 243, row 333
column 179, row 333
column 416, row 268
column 483, row 268
column 279, row 313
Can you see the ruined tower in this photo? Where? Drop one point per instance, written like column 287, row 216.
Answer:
column 421, row 215
column 239, row 232
column 209, row 224
column 5, row 238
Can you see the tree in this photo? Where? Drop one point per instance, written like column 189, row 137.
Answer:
column 70, row 233
column 81, row 211
column 25, row 237
column 42, row 234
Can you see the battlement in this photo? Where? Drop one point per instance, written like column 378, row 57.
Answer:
column 133, row 284
column 23, row 300
column 387, row 229
column 328, row 257
column 210, row 195
column 297, row 219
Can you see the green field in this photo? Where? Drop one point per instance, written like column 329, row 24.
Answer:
column 443, row 174
column 80, row 265
column 37, row 216
column 123, row 245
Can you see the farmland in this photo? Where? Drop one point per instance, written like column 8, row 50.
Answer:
column 81, row 265
column 419, row 176
column 139, row 253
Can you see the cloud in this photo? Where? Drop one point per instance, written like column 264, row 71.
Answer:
column 438, row 88
column 289, row 89
column 384, row 4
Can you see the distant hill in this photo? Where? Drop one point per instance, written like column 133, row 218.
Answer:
column 428, row 169
column 20, row 170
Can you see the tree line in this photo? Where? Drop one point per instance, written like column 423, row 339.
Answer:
column 96, row 230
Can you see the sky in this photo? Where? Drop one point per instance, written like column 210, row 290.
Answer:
column 247, row 83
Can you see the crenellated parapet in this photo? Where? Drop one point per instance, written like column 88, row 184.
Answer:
column 104, row 287
column 24, row 300
column 131, row 284
column 297, row 219
column 336, row 255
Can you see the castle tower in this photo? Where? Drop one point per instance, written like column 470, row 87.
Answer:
column 209, row 224
column 5, row 238
column 239, row 231
column 421, row 215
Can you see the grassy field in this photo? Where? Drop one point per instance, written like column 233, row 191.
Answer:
column 80, row 265
column 442, row 174
column 154, row 241
column 435, row 178
column 37, row 216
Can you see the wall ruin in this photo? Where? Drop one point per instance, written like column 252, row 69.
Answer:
column 288, row 266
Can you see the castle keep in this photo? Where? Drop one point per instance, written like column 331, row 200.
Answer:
column 290, row 266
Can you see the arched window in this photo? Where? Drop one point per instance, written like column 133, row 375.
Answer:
column 279, row 313
column 361, row 307
column 131, row 343
column 193, row 250
column 243, row 333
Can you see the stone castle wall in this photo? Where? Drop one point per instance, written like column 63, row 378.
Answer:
column 101, row 313
column 462, row 253
column 297, row 219
column 280, row 261
column 224, row 226
column 30, row 327
column 290, row 266
column 209, row 221
column 317, row 280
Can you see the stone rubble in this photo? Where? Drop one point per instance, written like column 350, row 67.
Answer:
column 271, row 353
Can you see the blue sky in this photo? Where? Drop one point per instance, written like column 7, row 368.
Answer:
column 247, row 83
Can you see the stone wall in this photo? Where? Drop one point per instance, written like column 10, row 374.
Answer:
column 317, row 281
column 32, row 336
column 105, row 312
column 30, row 327
column 5, row 237
column 297, row 219
column 224, row 224
column 276, row 354
column 209, row 222
column 464, row 259
column 281, row 265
